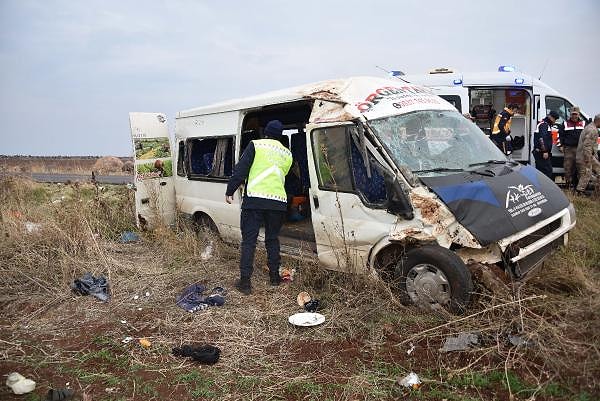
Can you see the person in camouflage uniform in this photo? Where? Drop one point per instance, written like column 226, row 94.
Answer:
column 587, row 154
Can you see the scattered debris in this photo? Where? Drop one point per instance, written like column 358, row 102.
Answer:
column 411, row 349
column 208, row 251
column 32, row 227
column 147, row 293
column 59, row 394
column 139, row 308
column 207, row 354
column 306, row 319
column 411, row 380
column 136, row 297
column 90, row 285
column 303, row 298
column 144, row 342
column 461, row 342
column 193, row 299
column 517, row 340
column 127, row 340
column 312, row 305
column 19, row 384
column 123, row 321
column 129, row 236
column 287, row 274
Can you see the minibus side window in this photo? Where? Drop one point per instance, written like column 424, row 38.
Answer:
column 372, row 189
column 332, row 159
column 180, row 159
column 210, row 158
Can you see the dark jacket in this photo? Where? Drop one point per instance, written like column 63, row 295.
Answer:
column 240, row 175
column 542, row 137
column 569, row 132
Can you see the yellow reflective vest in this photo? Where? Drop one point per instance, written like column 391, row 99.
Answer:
column 266, row 178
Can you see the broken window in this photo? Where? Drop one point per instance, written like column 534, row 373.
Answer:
column 368, row 178
column 180, row 159
column 331, row 155
column 210, row 157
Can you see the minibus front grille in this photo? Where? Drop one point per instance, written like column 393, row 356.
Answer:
column 529, row 262
column 537, row 235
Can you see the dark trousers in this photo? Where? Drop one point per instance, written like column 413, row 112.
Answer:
column 250, row 222
column 544, row 165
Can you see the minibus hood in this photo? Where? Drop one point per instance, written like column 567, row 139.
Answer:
column 500, row 204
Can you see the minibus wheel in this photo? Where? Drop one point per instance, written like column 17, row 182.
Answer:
column 204, row 226
column 432, row 275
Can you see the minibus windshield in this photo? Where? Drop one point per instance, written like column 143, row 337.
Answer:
column 437, row 142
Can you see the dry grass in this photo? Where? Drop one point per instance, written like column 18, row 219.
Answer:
column 357, row 354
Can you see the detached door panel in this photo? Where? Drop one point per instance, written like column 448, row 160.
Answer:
column 155, row 190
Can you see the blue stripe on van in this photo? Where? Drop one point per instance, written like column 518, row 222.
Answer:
column 531, row 174
column 476, row 191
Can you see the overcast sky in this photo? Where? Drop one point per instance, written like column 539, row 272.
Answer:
column 72, row 70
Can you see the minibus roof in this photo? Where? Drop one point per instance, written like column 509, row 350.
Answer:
column 372, row 96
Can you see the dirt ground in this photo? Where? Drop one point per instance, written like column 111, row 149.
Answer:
column 368, row 342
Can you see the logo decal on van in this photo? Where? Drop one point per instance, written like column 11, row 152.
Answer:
column 524, row 198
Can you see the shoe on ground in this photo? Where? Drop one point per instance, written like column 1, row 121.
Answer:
column 275, row 280
column 244, row 286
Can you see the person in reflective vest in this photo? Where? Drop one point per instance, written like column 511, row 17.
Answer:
column 542, row 144
column 568, row 138
column 501, row 129
column 263, row 166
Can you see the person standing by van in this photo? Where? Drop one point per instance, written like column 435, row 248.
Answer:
column 542, row 144
column 263, row 165
column 501, row 129
column 568, row 139
column 587, row 155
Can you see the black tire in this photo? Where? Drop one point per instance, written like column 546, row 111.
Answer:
column 431, row 275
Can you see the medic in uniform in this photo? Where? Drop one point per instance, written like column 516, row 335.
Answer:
column 501, row 130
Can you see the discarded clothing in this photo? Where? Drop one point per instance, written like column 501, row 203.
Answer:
column 19, row 384
column 129, row 236
column 90, row 285
column 208, row 354
column 193, row 299
column 59, row 394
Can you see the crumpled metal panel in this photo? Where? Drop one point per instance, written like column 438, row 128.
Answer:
column 433, row 222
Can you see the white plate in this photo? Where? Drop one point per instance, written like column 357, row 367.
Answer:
column 306, row 319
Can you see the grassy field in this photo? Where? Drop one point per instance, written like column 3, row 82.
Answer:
column 54, row 337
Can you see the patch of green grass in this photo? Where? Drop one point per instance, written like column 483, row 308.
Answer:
column 33, row 397
column 201, row 387
column 149, row 390
column 247, row 382
column 307, row 388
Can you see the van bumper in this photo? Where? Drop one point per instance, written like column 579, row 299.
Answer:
column 529, row 248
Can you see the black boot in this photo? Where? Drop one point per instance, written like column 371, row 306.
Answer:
column 244, row 286
column 274, row 278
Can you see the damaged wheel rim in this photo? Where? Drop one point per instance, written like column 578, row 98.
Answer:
column 426, row 284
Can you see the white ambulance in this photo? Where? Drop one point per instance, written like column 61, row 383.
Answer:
column 485, row 94
column 388, row 178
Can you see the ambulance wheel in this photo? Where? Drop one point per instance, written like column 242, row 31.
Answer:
column 432, row 276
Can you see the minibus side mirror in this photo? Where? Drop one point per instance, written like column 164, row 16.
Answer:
column 398, row 202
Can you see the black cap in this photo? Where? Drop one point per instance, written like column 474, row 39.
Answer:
column 554, row 115
column 273, row 129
